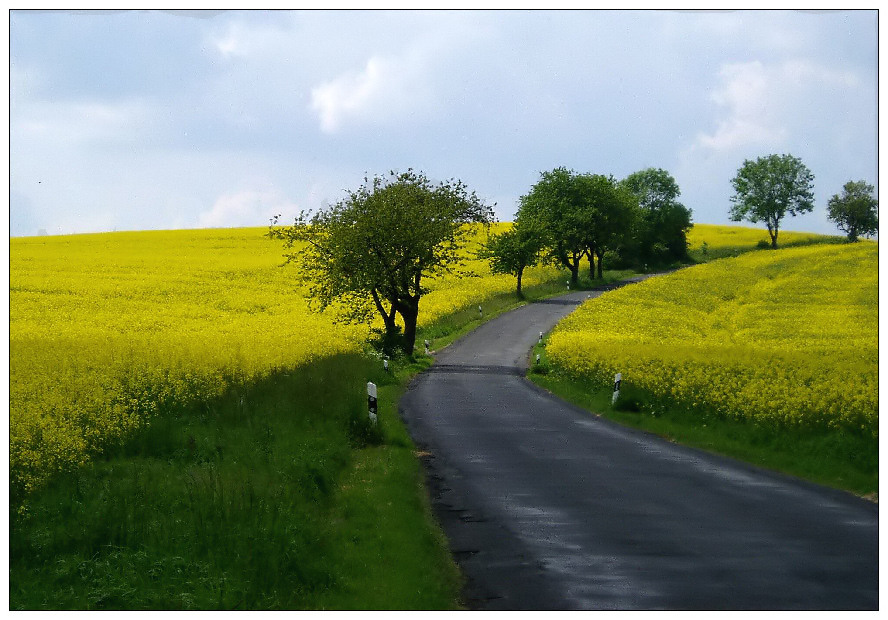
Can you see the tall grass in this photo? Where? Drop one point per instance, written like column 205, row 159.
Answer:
column 275, row 496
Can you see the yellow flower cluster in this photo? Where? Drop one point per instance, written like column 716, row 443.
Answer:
column 109, row 329
column 741, row 238
column 786, row 338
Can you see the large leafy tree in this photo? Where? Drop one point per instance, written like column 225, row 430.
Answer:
column 663, row 224
column 612, row 212
column 556, row 207
column 512, row 251
column 577, row 216
column 855, row 211
column 769, row 188
column 370, row 252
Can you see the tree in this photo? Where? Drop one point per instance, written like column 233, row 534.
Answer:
column 370, row 252
column 856, row 211
column 611, row 212
column 770, row 187
column 664, row 222
column 512, row 251
column 555, row 207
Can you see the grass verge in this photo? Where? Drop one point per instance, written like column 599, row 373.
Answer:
column 276, row 496
column 838, row 460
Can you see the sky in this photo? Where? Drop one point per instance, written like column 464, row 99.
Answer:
column 140, row 120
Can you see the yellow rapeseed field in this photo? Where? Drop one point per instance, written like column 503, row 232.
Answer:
column 108, row 329
column 786, row 338
column 741, row 238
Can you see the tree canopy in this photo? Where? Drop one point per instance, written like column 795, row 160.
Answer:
column 577, row 215
column 663, row 224
column 512, row 251
column 554, row 206
column 769, row 188
column 369, row 252
column 855, row 211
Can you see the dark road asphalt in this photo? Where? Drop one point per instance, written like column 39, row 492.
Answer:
column 549, row 507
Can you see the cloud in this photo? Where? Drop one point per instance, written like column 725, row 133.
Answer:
column 745, row 94
column 385, row 89
column 760, row 102
column 247, row 208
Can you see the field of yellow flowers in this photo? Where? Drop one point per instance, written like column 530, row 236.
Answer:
column 107, row 330
column 784, row 338
column 708, row 241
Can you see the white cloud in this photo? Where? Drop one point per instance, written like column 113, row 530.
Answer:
column 385, row 89
column 746, row 95
column 247, row 208
column 761, row 102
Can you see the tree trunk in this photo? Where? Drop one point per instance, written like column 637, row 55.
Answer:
column 520, row 273
column 772, row 230
column 409, row 313
column 591, row 256
column 600, row 261
column 388, row 318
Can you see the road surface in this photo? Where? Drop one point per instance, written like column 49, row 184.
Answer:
column 549, row 507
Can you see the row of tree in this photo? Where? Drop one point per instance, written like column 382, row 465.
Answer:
column 568, row 217
column 768, row 188
column 370, row 253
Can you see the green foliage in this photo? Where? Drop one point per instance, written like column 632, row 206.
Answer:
column 855, row 211
column 371, row 251
column 769, row 188
column 661, row 234
column 513, row 250
column 578, row 215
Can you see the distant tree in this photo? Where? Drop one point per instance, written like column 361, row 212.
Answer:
column 555, row 207
column 856, row 211
column 370, row 252
column 612, row 211
column 512, row 251
column 770, row 187
column 663, row 224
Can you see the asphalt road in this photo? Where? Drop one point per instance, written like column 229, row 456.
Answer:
column 549, row 507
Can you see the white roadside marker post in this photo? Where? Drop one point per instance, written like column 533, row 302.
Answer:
column 480, row 312
column 371, row 401
column 385, row 365
column 426, row 347
column 618, row 378
column 541, row 336
column 538, row 359
column 568, row 285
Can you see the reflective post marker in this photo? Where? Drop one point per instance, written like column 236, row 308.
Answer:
column 427, row 347
column 538, row 358
column 568, row 285
column 541, row 336
column 618, row 378
column 385, row 365
column 371, row 401
column 480, row 312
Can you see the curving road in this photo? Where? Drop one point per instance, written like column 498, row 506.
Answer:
column 548, row 507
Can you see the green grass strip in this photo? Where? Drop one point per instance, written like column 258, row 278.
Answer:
column 838, row 460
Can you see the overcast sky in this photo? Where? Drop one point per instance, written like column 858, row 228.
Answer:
column 158, row 120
